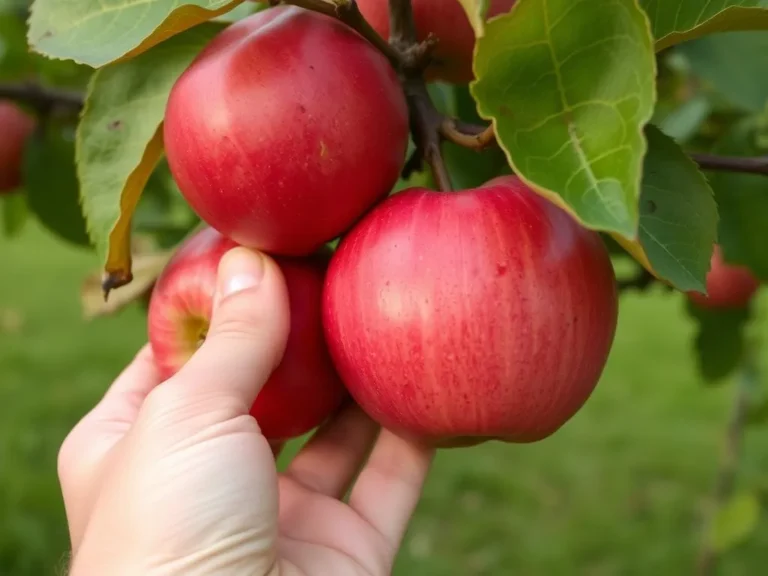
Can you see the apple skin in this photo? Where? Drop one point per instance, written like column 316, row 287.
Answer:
column 457, row 318
column 285, row 129
column 305, row 389
column 728, row 285
column 447, row 20
column 17, row 126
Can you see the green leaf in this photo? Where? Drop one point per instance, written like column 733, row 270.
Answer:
column 51, row 183
column 678, row 214
column 14, row 213
column 97, row 32
column 119, row 139
column 676, row 21
column 683, row 122
column 241, row 11
column 734, row 65
column 569, row 87
column 743, row 203
column 735, row 521
column 720, row 340
column 15, row 61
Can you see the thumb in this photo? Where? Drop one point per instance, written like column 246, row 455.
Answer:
column 248, row 331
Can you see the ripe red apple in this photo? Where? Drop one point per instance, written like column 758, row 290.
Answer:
column 447, row 20
column 304, row 389
column 16, row 127
column 285, row 129
column 468, row 316
column 728, row 285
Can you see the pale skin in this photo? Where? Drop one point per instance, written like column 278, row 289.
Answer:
column 175, row 478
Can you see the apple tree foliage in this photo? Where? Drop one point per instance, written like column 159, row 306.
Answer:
column 647, row 120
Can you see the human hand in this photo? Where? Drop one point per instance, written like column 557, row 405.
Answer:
column 176, row 478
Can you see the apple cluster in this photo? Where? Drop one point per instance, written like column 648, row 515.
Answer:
column 456, row 317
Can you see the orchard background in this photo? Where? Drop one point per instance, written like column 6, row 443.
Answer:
column 659, row 142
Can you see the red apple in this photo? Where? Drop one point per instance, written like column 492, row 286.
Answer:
column 468, row 316
column 285, row 129
column 728, row 285
column 305, row 389
column 16, row 126
column 447, row 20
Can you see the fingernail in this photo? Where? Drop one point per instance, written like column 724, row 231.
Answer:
column 240, row 269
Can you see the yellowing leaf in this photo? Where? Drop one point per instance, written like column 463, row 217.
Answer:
column 476, row 11
column 97, row 32
column 119, row 140
column 146, row 270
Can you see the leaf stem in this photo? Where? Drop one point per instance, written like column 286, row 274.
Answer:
column 467, row 135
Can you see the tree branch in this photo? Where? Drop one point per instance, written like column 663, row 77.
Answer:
column 746, row 165
column 425, row 126
column 42, row 98
column 348, row 12
column 729, row 461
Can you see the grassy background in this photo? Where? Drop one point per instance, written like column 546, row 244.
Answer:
column 620, row 490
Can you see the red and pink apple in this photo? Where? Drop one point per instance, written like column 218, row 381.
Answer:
column 469, row 316
column 285, row 129
column 17, row 126
column 728, row 285
column 305, row 389
column 448, row 22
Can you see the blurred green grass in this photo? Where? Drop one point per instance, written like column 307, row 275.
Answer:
column 620, row 490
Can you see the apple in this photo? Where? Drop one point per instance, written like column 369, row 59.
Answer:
column 447, row 20
column 305, row 389
column 285, row 129
column 17, row 126
column 728, row 285
column 483, row 314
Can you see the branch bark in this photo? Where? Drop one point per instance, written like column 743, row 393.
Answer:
column 745, row 165
column 42, row 98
